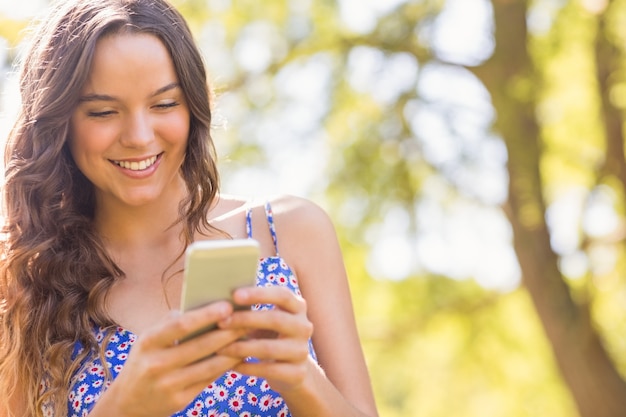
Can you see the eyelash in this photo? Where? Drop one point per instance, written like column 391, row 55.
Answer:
column 110, row 112
column 167, row 105
column 100, row 114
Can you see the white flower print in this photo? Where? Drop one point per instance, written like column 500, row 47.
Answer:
column 253, row 399
column 210, row 401
column 266, row 402
column 235, row 403
column 282, row 279
column 265, row 386
column 221, row 393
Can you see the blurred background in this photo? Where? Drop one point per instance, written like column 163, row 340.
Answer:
column 471, row 153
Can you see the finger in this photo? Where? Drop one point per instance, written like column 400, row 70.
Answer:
column 178, row 325
column 277, row 321
column 288, row 350
column 200, row 374
column 205, row 345
column 177, row 388
column 279, row 296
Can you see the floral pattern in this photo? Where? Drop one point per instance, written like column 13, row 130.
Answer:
column 233, row 394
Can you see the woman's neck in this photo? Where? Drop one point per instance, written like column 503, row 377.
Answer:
column 125, row 227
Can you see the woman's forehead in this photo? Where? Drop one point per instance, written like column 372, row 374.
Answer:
column 130, row 61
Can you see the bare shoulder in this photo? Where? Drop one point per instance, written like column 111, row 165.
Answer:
column 298, row 215
column 306, row 236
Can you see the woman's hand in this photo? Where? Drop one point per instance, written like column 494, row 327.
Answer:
column 162, row 376
column 278, row 338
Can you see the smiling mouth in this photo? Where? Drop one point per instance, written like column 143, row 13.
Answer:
column 137, row 165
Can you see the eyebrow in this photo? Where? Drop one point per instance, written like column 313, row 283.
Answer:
column 106, row 97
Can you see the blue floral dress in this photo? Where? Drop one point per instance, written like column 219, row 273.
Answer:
column 233, row 394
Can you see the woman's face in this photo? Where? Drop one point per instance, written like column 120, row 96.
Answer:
column 130, row 129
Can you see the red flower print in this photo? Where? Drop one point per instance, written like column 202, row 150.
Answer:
column 95, row 369
column 209, row 402
column 252, row 399
column 235, row 403
column 265, row 403
column 221, row 394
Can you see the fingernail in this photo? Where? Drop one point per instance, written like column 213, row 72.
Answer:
column 241, row 294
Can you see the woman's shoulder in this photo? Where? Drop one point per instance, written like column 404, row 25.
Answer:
column 302, row 226
column 288, row 208
column 294, row 215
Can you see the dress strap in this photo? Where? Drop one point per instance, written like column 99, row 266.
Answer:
column 249, row 222
column 270, row 222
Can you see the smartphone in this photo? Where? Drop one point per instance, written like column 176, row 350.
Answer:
column 214, row 269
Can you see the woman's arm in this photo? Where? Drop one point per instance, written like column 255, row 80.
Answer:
column 340, row 385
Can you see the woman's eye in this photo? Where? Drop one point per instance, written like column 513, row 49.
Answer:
column 100, row 113
column 167, row 105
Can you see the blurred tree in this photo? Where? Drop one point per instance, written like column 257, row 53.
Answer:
column 512, row 78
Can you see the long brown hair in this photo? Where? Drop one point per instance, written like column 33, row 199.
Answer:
column 54, row 272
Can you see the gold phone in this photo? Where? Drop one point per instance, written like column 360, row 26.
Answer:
column 214, row 269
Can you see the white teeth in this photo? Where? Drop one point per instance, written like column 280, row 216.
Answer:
column 137, row 166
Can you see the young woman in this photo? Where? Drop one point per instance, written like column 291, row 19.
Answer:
column 110, row 174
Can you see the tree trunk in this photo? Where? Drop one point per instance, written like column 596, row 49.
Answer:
column 597, row 388
column 607, row 64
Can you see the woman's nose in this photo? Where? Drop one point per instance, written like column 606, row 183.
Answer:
column 138, row 130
